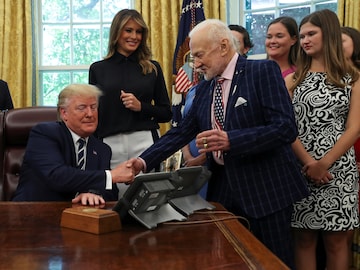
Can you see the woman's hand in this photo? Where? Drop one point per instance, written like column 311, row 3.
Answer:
column 195, row 161
column 317, row 172
column 130, row 101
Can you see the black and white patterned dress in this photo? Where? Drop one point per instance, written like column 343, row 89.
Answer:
column 321, row 111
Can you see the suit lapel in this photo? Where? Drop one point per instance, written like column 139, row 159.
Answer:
column 203, row 104
column 69, row 150
column 91, row 154
column 235, row 88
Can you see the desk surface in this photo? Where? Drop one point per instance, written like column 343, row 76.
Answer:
column 31, row 238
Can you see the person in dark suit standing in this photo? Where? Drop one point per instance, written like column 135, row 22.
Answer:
column 242, row 39
column 5, row 97
column 52, row 171
column 255, row 173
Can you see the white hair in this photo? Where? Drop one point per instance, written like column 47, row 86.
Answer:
column 216, row 31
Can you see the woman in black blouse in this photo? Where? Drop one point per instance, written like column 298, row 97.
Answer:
column 135, row 97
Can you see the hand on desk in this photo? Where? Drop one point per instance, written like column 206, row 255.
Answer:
column 88, row 199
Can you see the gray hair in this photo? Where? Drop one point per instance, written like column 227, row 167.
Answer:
column 216, row 31
column 72, row 90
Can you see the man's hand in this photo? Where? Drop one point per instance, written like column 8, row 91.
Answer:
column 88, row 199
column 136, row 164
column 212, row 140
column 123, row 173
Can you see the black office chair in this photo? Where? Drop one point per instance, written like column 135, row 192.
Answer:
column 15, row 126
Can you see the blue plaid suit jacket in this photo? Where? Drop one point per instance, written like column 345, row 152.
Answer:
column 260, row 124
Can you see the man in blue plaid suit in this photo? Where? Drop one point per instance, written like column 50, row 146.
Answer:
column 254, row 170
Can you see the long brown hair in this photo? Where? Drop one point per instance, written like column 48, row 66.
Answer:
column 354, row 34
column 143, row 52
column 336, row 66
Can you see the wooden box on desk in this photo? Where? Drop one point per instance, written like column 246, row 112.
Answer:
column 92, row 220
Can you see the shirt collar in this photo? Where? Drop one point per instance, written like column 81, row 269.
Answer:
column 230, row 68
column 76, row 137
column 122, row 58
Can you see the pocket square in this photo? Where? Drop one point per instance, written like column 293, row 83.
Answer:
column 241, row 101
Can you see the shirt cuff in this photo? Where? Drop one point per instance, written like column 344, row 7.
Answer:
column 144, row 164
column 108, row 180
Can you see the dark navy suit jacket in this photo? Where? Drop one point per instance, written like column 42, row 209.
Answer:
column 260, row 124
column 5, row 97
column 49, row 170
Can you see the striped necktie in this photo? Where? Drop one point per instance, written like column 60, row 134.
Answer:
column 80, row 155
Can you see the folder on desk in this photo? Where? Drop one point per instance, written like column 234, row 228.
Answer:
column 155, row 198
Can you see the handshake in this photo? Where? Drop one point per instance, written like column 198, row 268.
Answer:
column 125, row 172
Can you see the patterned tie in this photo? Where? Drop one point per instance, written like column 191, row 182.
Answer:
column 81, row 151
column 219, row 111
column 219, row 105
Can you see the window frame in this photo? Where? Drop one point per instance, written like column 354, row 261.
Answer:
column 38, row 48
column 236, row 14
column 236, row 7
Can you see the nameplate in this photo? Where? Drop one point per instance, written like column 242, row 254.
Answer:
column 89, row 219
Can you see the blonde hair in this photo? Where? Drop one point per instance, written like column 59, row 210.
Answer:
column 72, row 90
column 143, row 52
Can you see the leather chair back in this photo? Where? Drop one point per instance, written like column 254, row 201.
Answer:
column 17, row 124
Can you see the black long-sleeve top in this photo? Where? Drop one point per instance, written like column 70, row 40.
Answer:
column 124, row 73
column 5, row 97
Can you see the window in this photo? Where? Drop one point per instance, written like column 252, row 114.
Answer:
column 255, row 15
column 71, row 35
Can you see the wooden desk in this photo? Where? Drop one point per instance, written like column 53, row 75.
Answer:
column 31, row 238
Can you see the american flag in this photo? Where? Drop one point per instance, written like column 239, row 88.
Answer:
column 192, row 12
column 184, row 80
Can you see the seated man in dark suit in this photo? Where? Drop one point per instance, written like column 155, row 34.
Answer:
column 57, row 168
column 5, row 97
